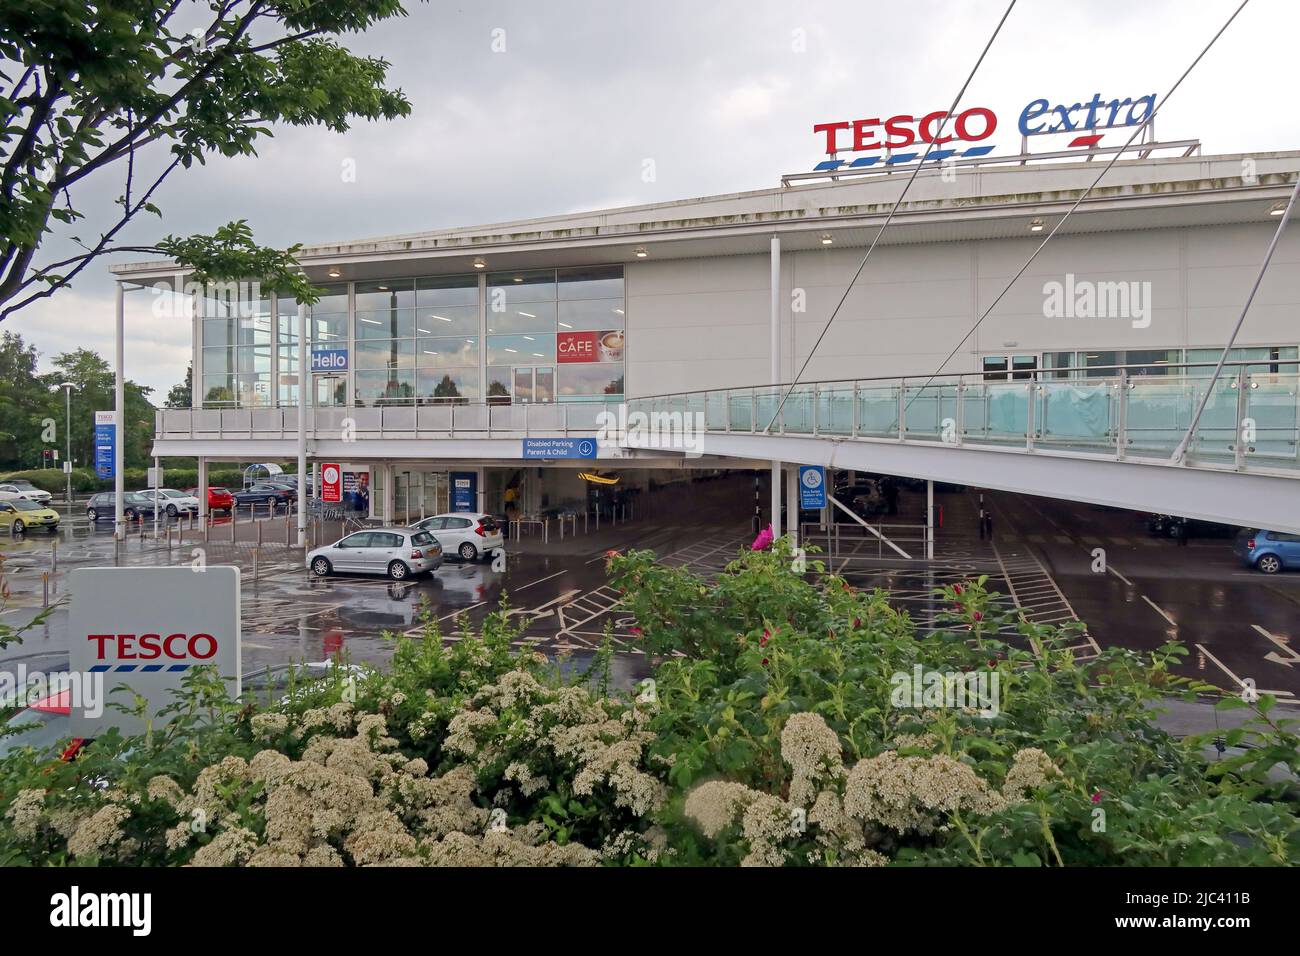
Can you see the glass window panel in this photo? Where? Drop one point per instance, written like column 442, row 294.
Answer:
column 288, row 358
column 253, row 358
column 332, row 329
column 218, row 361
column 446, row 291
column 1023, row 366
column 218, row 390
column 288, row 327
column 388, row 324
column 498, row 384
column 523, row 286
column 1150, row 361
column 591, row 314
column 434, row 386
column 446, row 352
column 378, row 388
column 594, row 382
column 995, row 367
column 520, row 349
column 385, row 294
column 220, row 332
column 598, row 282
column 523, row 317
column 253, row 330
column 333, row 301
column 395, row 353
column 447, row 320
column 254, row 390
column 1095, row 363
column 1057, row 361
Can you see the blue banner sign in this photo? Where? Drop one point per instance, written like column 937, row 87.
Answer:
column 547, row 448
column 812, row 487
column 105, row 444
column 329, row 360
column 464, row 491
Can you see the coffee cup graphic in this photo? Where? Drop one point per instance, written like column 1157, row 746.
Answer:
column 611, row 346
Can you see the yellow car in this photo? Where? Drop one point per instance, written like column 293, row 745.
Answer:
column 19, row 516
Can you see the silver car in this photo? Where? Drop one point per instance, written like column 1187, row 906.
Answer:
column 395, row 552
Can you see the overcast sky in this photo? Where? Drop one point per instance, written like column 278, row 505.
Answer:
column 720, row 94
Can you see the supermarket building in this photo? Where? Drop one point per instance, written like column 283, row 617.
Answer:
column 437, row 354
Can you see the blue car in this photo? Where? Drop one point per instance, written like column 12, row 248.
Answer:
column 1268, row 551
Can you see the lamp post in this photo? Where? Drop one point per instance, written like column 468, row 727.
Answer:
column 67, row 436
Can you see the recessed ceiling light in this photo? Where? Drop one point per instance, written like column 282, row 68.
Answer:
column 479, row 263
column 334, row 273
column 1036, row 225
column 1278, row 209
column 641, row 252
column 519, row 278
column 383, row 288
column 826, row 239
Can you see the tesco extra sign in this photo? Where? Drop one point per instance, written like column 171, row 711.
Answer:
column 1039, row 117
column 143, row 630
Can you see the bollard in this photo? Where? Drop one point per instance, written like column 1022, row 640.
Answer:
column 45, row 589
column 546, row 531
column 561, row 527
column 169, row 537
column 586, row 516
column 259, row 538
column 255, row 561
column 54, row 555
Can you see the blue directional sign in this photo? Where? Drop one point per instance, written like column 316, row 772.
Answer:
column 105, row 442
column 812, row 487
column 549, row 448
column 464, row 491
column 329, row 360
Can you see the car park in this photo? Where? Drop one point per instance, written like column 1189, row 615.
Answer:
column 173, row 502
column 135, row 506
column 261, row 493
column 1268, row 551
column 398, row 553
column 20, row 488
column 470, row 535
column 20, row 515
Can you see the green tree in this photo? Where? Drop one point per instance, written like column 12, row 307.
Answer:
column 179, row 396
column 85, row 87
column 24, row 405
column 93, row 378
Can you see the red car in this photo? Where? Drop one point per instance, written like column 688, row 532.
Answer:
column 45, row 725
column 219, row 499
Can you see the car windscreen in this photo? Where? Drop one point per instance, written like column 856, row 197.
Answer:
column 27, row 505
column 421, row 538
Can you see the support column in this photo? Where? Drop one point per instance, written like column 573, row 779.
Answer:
column 792, row 503
column 389, row 497
column 776, row 372
column 480, row 487
column 202, row 491
column 929, row 520
column 119, row 420
column 304, row 364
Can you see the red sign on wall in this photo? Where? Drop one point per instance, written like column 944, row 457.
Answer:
column 331, row 482
column 578, row 347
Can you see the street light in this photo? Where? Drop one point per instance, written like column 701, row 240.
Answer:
column 67, row 436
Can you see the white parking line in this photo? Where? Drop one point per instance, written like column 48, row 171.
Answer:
column 1118, row 575
column 1159, row 610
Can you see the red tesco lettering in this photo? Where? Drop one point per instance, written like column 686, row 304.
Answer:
column 148, row 647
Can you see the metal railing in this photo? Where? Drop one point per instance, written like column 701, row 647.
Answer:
column 1251, row 421
column 384, row 421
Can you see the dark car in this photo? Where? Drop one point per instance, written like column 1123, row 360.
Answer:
column 1175, row 526
column 103, row 505
column 262, row 492
column 289, row 482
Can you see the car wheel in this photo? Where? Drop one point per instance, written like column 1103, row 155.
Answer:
column 92, row 514
column 321, row 567
column 467, row 551
column 398, row 571
column 1269, row 564
column 171, row 511
column 19, row 526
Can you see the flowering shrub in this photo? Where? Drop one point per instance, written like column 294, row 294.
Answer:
column 774, row 736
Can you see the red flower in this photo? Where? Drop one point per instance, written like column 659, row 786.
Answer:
column 956, row 589
column 1096, row 797
column 857, row 622
column 762, row 641
column 765, row 662
column 978, row 616
column 993, row 663
column 635, row 630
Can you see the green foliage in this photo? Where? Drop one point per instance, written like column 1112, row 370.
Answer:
column 775, row 697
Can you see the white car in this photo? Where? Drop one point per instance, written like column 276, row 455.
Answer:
column 23, row 490
column 465, row 533
column 171, row 502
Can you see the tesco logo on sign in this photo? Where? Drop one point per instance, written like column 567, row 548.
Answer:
column 970, row 125
column 190, row 648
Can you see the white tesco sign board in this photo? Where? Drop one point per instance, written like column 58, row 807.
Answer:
column 147, row 628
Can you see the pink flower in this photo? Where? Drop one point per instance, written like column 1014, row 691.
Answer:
column 764, row 540
column 857, row 622
column 1096, row 797
column 636, row 631
column 978, row 616
column 956, row 589
column 767, row 636
column 765, row 662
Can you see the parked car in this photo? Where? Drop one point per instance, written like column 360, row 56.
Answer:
column 23, row 489
column 43, row 726
column 395, row 552
column 219, row 499
column 261, row 493
column 173, row 502
column 1172, row 526
column 1268, row 551
column 469, row 535
column 135, row 505
column 19, row 515
column 290, row 482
